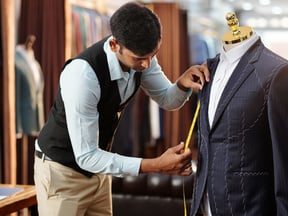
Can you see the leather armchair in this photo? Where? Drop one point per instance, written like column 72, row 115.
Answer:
column 151, row 194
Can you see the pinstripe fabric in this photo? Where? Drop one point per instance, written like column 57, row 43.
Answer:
column 242, row 157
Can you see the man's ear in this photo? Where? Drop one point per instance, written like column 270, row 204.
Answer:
column 114, row 45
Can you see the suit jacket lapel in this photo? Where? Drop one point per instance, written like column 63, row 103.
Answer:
column 204, row 95
column 240, row 74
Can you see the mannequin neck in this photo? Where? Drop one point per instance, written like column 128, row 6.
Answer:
column 228, row 47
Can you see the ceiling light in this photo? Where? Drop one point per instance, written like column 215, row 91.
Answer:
column 284, row 22
column 264, row 2
column 247, row 6
column 277, row 10
column 274, row 22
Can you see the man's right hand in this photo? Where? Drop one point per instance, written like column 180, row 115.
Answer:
column 173, row 161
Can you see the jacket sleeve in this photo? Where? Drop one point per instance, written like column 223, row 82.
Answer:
column 278, row 118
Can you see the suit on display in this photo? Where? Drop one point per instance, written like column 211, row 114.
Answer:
column 243, row 145
column 29, row 90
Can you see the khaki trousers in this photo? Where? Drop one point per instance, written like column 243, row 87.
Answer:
column 61, row 191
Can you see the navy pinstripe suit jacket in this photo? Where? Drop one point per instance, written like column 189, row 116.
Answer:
column 243, row 157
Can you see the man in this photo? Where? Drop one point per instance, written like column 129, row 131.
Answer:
column 73, row 165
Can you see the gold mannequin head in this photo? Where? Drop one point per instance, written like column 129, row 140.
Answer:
column 236, row 33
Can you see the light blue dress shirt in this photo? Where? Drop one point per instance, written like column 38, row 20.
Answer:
column 80, row 90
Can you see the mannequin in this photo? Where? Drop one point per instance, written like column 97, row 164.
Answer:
column 234, row 44
column 29, row 103
column 236, row 34
column 242, row 165
column 29, row 90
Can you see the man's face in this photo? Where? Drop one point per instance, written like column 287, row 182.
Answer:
column 130, row 60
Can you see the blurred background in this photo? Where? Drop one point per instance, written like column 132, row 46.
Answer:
column 192, row 31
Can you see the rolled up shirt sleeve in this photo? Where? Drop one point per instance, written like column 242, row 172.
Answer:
column 167, row 94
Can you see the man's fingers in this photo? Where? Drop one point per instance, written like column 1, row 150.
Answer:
column 199, row 79
column 205, row 70
column 187, row 171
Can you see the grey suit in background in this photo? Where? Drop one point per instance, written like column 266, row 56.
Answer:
column 29, row 94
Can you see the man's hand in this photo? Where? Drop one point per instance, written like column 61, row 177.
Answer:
column 194, row 77
column 173, row 161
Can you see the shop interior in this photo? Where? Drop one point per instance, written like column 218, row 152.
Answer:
column 60, row 29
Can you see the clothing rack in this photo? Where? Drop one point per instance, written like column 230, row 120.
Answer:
column 98, row 5
column 89, row 24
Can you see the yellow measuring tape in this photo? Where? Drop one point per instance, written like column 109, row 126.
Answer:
column 187, row 142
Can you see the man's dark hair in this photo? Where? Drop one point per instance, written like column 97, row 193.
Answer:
column 136, row 27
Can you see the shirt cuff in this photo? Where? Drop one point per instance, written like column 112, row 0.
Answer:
column 183, row 94
column 131, row 165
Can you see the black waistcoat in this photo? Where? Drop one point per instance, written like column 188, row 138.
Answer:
column 54, row 138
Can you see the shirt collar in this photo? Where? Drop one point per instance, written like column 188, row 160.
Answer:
column 114, row 66
column 235, row 53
